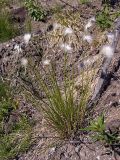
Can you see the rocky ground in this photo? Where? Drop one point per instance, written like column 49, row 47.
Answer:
column 109, row 104
column 82, row 148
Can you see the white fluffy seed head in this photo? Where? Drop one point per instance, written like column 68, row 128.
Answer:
column 66, row 47
column 7, row 45
column 56, row 26
column 46, row 62
column 92, row 19
column 24, row 62
column 110, row 37
column 17, row 48
column 68, row 30
column 107, row 51
column 90, row 23
column 27, row 37
column 98, row 157
column 88, row 38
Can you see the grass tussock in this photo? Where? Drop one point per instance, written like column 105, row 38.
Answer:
column 63, row 104
column 106, row 18
column 15, row 128
column 7, row 28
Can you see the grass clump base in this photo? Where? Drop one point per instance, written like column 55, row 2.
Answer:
column 7, row 28
column 63, row 110
column 15, row 129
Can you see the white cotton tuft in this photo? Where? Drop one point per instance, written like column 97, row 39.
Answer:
column 7, row 45
column 107, row 51
column 17, row 48
column 24, row 62
column 88, row 38
column 66, row 47
column 56, row 26
column 90, row 23
column 27, row 37
column 68, row 31
column 110, row 37
column 92, row 19
column 46, row 62
column 52, row 150
column 98, row 157
column 87, row 62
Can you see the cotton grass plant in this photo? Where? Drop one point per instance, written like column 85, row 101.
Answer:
column 56, row 89
column 63, row 106
column 62, row 95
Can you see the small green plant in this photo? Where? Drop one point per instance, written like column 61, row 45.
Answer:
column 7, row 29
column 6, row 102
column 106, row 2
column 35, row 10
column 84, row 1
column 101, row 134
column 14, row 135
column 17, row 141
column 103, row 19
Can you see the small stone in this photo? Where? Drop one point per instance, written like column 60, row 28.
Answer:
column 7, row 45
column 74, row 157
column 113, row 94
column 82, row 154
column 98, row 157
column 77, row 149
column 119, row 101
column 114, row 126
column 52, row 150
column 110, row 103
column 115, row 104
column 70, row 148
